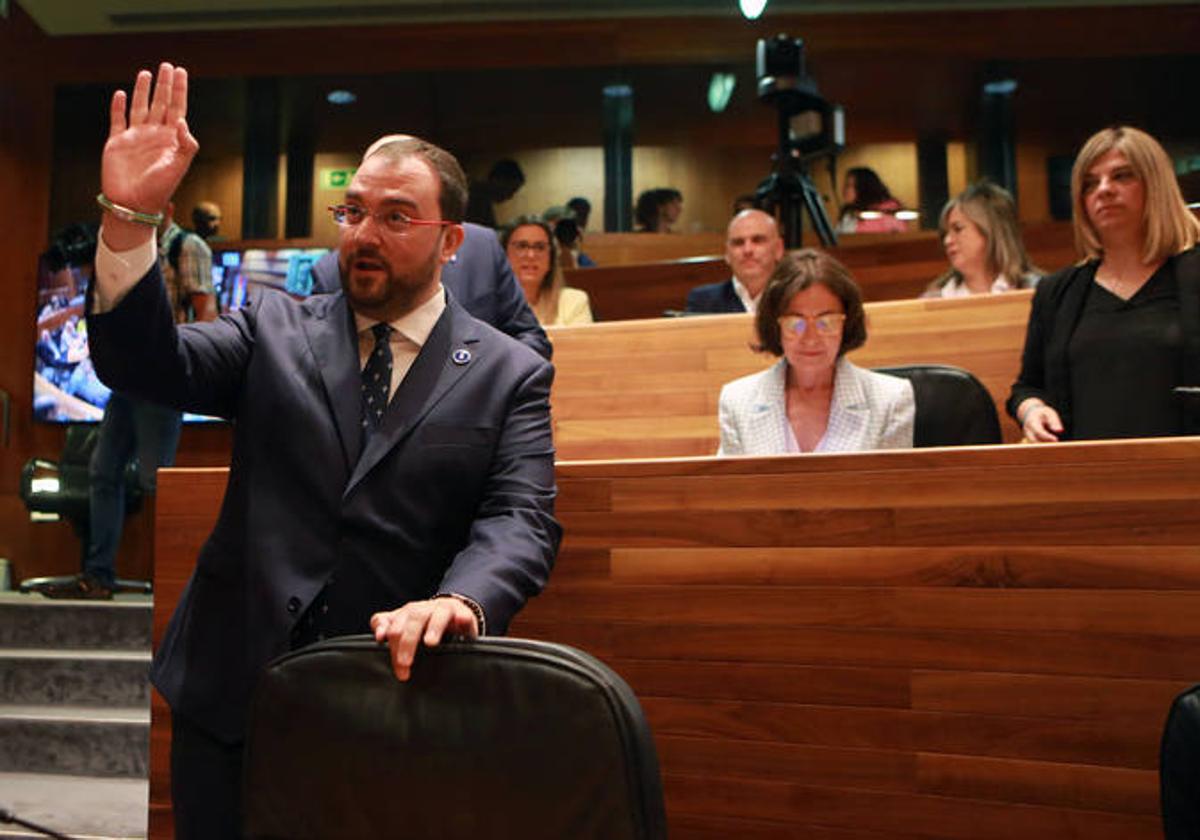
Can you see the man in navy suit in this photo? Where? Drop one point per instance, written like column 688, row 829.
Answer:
column 392, row 468
column 753, row 247
column 481, row 280
column 478, row 275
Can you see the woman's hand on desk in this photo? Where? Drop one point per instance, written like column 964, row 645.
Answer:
column 1039, row 422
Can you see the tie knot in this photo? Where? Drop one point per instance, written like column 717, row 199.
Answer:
column 381, row 331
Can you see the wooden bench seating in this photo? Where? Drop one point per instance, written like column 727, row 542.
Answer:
column 649, row 389
column 886, row 268
column 932, row 644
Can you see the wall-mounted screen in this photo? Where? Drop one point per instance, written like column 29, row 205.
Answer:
column 66, row 388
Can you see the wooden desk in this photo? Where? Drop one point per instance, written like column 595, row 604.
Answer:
column 944, row 643
column 649, row 389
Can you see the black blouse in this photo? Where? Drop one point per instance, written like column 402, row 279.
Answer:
column 1125, row 356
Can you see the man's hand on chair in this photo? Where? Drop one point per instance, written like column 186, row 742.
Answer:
column 421, row 621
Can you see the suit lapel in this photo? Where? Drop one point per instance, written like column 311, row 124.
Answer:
column 448, row 353
column 847, row 429
column 768, row 413
column 334, row 343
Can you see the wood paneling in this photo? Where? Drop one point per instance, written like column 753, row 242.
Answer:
column 827, row 662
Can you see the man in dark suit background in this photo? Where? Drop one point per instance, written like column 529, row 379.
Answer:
column 753, row 247
column 392, row 465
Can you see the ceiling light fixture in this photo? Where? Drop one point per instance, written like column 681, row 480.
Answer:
column 752, row 9
column 341, row 97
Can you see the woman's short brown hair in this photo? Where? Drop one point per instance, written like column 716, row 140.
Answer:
column 1170, row 226
column 796, row 272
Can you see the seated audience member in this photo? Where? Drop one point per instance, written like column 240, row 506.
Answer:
column 658, row 210
column 748, row 201
column 570, row 242
column 503, row 181
column 982, row 239
column 533, row 252
column 753, row 248
column 582, row 208
column 645, row 212
column 813, row 399
column 670, row 208
column 868, row 205
column 1111, row 337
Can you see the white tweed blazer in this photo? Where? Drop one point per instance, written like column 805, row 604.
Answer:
column 869, row 411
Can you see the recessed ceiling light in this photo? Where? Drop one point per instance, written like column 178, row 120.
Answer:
column 752, row 9
column 341, row 97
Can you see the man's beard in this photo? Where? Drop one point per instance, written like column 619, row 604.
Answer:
column 395, row 288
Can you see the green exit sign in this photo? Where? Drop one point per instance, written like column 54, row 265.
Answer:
column 334, row 179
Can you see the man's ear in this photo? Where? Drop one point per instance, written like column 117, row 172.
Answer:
column 451, row 241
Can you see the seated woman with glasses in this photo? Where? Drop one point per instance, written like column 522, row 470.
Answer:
column 813, row 399
column 533, row 252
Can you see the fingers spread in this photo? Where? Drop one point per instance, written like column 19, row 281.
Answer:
column 163, row 89
column 116, row 114
column 179, row 95
column 140, row 104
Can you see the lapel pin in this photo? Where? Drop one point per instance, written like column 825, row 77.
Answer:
column 461, row 356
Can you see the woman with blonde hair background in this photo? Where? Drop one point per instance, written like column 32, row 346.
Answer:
column 533, row 253
column 1110, row 339
column 982, row 238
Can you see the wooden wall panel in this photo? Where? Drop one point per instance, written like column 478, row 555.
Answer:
column 815, row 665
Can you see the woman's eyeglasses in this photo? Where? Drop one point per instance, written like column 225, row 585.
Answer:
column 828, row 324
column 520, row 245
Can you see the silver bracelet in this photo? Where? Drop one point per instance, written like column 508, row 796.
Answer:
column 127, row 214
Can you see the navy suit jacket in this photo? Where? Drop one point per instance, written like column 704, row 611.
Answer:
column 714, row 298
column 453, row 493
column 480, row 278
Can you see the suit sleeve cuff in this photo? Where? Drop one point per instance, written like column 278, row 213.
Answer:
column 473, row 605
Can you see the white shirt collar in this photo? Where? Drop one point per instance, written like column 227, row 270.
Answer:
column 957, row 288
column 748, row 301
column 415, row 325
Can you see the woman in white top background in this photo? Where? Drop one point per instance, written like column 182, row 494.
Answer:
column 533, row 253
column 982, row 239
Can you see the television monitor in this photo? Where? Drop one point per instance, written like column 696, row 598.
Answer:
column 66, row 388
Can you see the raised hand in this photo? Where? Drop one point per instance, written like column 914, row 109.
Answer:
column 148, row 153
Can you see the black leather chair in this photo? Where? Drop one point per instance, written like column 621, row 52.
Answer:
column 1179, row 768
column 60, row 489
column 496, row 738
column 953, row 407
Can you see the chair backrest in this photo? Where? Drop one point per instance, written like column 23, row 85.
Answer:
column 1179, row 768
column 953, row 407
column 488, row 738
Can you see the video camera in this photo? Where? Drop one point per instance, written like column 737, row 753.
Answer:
column 810, row 128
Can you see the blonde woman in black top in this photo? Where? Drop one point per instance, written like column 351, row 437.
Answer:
column 1110, row 338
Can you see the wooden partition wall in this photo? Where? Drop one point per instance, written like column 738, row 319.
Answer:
column 649, row 389
column 923, row 645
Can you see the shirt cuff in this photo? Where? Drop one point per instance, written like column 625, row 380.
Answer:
column 117, row 272
column 473, row 605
